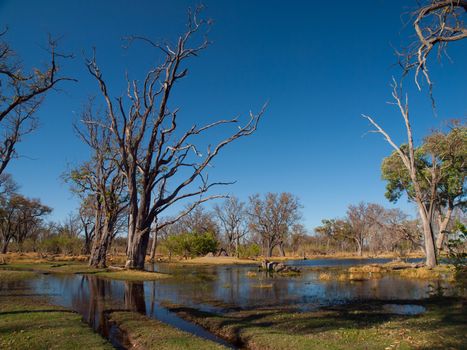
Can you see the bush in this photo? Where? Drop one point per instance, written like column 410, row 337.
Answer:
column 61, row 244
column 249, row 250
column 191, row 244
column 457, row 246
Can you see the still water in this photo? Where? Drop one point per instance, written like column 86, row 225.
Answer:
column 218, row 289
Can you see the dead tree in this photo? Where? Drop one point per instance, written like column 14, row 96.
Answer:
column 272, row 217
column 21, row 94
column 100, row 178
column 425, row 204
column 86, row 216
column 362, row 219
column 161, row 164
column 232, row 217
column 436, row 24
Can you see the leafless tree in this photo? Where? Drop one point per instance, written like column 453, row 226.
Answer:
column 19, row 216
column 298, row 236
column 437, row 23
column 232, row 217
column 21, row 94
column 161, row 164
column 363, row 220
column 87, row 214
column 100, row 178
column 272, row 218
column 424, row 199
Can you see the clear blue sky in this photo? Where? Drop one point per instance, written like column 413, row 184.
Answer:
column 320, row 64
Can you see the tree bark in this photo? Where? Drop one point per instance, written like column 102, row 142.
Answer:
column 443, row 224
column 359, row 247
column 101, row 244
column 5, row 246
column 137, row 249
column 281, row 249
column 269, row 249
column 154, row 246
column 430, row 251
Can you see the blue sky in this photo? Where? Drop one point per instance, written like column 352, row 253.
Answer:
column 320, row 64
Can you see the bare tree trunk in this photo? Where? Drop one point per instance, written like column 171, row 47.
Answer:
column 359, row 247
column 430, row 251
column 281, row 249
column 101, row 245
column 269, row 249
column 137, row 249
column 443, row 224
column 237, row 244
column 5, row 246
column 87, row 246
column 154, row 246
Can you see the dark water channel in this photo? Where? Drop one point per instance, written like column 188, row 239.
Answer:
column 219, row 289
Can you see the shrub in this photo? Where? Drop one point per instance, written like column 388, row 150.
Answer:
column 191, row 244
column 457, row 246
column 61, row 243
column 249, row 250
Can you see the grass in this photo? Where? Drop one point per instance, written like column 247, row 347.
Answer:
column 73, row 267
column 146, row 333
column 132, row 275
column 30, row 322
column 49, row 267
column 358, row 326
column 218, row 260
column 16, row 275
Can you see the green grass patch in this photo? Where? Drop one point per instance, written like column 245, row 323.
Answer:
column 81, row 268
column 30, row 322
column 7, row 275
column 51, row 267
column 132, row 275
column 360, row 326
column 146, row 333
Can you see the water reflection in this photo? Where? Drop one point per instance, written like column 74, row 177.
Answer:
column 214, row 288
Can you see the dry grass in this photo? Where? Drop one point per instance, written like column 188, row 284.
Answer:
column 262, row 285
column 439, row 272
column 367, row 269
column 219, row 260
column 251, row 274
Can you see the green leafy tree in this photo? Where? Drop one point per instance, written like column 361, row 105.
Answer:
column 440, row 164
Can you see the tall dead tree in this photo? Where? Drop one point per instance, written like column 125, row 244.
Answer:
column 21, row 94
column 161, row 164
column 100, row 178
column 232, row 216
column 425, row 204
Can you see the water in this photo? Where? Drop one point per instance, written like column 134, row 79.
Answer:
column 219, row 289
column 405, row 309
